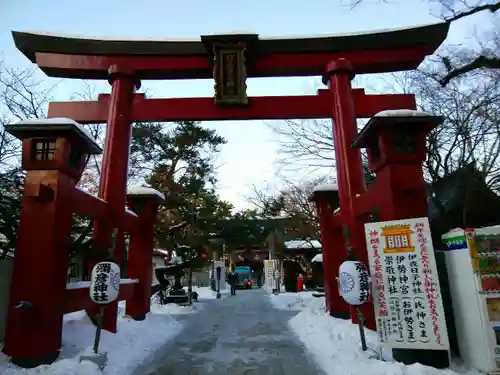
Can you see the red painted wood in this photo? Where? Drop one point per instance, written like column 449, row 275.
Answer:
column 271, row 107
column 79, row 299
column 111, row 310
column 87, row 205
column 368, row 200
column 350, row 173
column 40, row 269
column 139, row 257
column 113, row 180
column 273, row 65
column 333, row 254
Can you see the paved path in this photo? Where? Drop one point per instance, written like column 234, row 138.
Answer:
column 239, row 335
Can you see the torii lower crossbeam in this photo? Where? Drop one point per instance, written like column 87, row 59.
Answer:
column 204, row 109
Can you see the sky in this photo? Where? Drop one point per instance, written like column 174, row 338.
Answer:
column 250, row 154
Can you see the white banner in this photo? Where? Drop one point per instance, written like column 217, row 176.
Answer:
column 223, row 274
column 270, row 266
column 406, row 293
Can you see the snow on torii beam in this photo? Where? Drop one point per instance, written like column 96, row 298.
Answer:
column 375, row 52
column 204, row 109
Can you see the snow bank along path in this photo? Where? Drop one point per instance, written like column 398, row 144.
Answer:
column 335, row 343
column 135, row 344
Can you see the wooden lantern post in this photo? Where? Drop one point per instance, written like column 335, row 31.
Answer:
column 396, row 147
column 54, row 156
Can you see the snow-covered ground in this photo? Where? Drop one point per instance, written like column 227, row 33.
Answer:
column 204, row 294
column 135, row 344
column 335, row 343
column 207, row 293
column 291, row 301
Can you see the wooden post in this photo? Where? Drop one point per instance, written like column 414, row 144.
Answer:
column 144, row 203
column 113, row 181
column 34, row 325
column 350, row 172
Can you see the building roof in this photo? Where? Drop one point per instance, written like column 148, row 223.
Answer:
column 462, row 200
column 302, row 244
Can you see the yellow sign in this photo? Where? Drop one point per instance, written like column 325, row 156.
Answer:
column 398, row 239
column 470, row 236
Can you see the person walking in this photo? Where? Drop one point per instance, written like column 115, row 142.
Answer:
column 277, row 281
column 232, row 280
column 259, row 278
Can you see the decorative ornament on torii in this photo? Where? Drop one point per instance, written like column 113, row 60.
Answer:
column 230, row 60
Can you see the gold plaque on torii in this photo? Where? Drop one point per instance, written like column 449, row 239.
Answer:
column 230, row 62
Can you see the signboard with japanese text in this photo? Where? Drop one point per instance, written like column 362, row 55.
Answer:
column 406, row 293
column 270, row 267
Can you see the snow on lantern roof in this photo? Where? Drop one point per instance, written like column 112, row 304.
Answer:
column 318, row 258
column 33, row 126
column 320, row 190
column 402, row 113
column 145, row 192
column 401, row 118
column 326, row 187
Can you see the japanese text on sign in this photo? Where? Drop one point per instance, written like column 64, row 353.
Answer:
column 407, row 298
column 105, row 282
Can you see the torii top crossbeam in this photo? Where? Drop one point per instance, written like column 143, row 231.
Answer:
column 375, row 52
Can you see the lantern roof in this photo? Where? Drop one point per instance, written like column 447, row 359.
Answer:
column 54, row 127
column 145, row 193
column 409, row 120
column 329, row 192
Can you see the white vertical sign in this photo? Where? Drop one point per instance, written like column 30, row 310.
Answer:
column 269, row 271
column 406, row 293
column 223, row 274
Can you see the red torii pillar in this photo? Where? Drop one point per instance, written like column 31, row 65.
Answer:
column 113, row 182
column 333, row 248
column 350, row 173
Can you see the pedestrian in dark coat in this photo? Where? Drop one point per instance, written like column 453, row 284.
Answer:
column 232, row 280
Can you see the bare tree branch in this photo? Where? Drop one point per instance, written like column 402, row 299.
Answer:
column 478, row 63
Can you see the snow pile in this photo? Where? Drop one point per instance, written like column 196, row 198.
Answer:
column 318, row 258
column 207, row 293
column 335, row 344
column 291, row 301
column 135, row 344
column 175, row 309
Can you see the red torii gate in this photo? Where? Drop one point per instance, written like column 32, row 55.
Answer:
column 230, row 59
